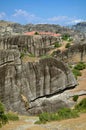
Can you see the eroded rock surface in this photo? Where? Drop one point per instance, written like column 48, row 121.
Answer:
column 74, row 54
column 30, row 86
column 37, row 45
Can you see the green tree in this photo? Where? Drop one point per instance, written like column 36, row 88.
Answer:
column 57, row 44
column 67, row 45
column 75, row 98
column 36, row 33
column 3, row 117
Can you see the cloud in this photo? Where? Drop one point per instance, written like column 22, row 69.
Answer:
column 20, row 12
column 75, row 21
column 24, row 17
column 57, row 18
column 2, row 15
column 64, row 20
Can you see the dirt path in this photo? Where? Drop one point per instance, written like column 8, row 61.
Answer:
column 62, row 48
column 69, row 124
column 27, row 123
column 30, row 59
column 82, row 85
column 81, row 81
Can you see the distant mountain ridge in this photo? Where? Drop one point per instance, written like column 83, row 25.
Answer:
column 10, row 28
column 80, row 27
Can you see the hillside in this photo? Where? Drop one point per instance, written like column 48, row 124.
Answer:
column 80, row 27
column 35, row 73
column 9, row 28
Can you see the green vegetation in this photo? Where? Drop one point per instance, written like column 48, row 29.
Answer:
column 22, row 55
column 57, row 32
column 76, row 73
column 70, row 66
column 66, row 113
column 80, row 66
column 67, row 45
column 81, row 106
column 31, row 55
column 25, row 50
column 45, row 56
column 12, row 116
column 57, row 44
column 63, row 113
column 77, row 68
column 75, row 98
column 3, row 117
column 70, row 39
column 65, row 37
column 36, row 33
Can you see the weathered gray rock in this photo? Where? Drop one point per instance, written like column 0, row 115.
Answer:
column 32, row 80
column 74, row 54
column 29, row 87
column 37, row 45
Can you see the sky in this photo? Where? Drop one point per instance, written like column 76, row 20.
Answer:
column 63, row 12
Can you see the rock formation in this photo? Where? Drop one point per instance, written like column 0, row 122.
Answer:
column 31, row 86
column 80, row 27
column 74, row 54
column 36, row 45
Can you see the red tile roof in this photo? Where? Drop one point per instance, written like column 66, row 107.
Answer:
column 43, row 33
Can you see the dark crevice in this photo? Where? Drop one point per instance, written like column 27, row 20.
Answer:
column 6, row 63
column 53, row 94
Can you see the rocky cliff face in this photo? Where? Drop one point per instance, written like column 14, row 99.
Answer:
column 9, row 28
column 80, row 27
column 74, row 54
column 36, row 45
column 30, row 87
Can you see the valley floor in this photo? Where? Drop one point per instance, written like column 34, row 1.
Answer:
column 27, row 123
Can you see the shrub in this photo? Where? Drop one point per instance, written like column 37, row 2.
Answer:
column 1, row 108
column 12, row 116
column 65, row 36
column 39, row 122
column 76, row 73
column 80, row 66
column 36, row 33
column 57, row 32
column 66, row 113
column 70, row 66
column 3, row 117
column 70, row 39
column 57, row 44
column 67, row 45
column 22, row 55
column 75, row 98
column 44, row 117
column 63, row 113
column 31, row 55
column 81, row 106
